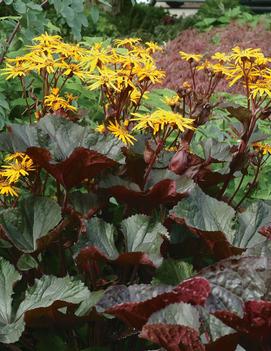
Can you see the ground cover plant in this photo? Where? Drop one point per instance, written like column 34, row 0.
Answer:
column 141, row 232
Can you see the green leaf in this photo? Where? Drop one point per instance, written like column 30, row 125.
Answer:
column 4, row 102
column 52, row 342
column 250, row 221
column 143, row 238
column 143, row 234
column 61, row 137
column 172, row 272
column 8, row 277
column 43, row 294
column 9, row 332
column 205, row 213
column 64, row 136
column 217, row 150
column 68, row 13
column 236, row 280
column 84, row 202
column 94, row 13
column 21, row 137
column 32, row 220
column 87, row 305
column 34, row 6
column 26, row 262
column 178, row 314
column 216, row 327
column 52, row 289
column 19, row 6
column 100, row 235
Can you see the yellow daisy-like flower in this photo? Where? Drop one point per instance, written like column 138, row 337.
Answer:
column 72, row 69
column 264, row 148
column 100, row 128
column 127, row 41
column 150, row 72
column 206, row 65
column 7, row 189
column 153, row 47
column 55, row 102
column 15, row 155
column 16, row 169
column 221, row 56
column 159, row 119
column 121, row 133
column 186, row 85
column 106, row 76
column 14, row 69
column 172, row 101
column 190, row 57
column 241, row 55
column 47, row 40
column 260, row 88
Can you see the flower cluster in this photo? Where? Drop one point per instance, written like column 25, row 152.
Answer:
column 55, row 102
column 124, row 73
column 162, row 122
column 265, row 149
column 248, row 66
column 17, row 166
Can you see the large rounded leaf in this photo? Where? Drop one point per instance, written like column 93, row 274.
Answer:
column 174, row 327
column 81, row 164
column 46, row 292
column 237, row 280
column 136, row 303
column 10, row 331
column 143, row 237
column 32, row 220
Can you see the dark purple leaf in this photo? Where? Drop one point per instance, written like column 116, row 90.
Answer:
column 173, row 337
column 137, row 303
column 81, row 164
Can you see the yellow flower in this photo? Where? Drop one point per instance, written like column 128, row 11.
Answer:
column 190, row 57
column 17, row 69
column 153, row 47
column 206, row 65
column 241, row 55
column 107, row 77
column 38, row 60
column 13, row 171
column 127, row 41
column 47, row 40
column 70, row 97
column 150, row 72
column 260, row 88
column 55, row 102
column 172, row 101
column 100, row 128
column 70, row 51
column 7, row 189
column 221, row 56
column 264, row 148
column 55, row 91
column 186, row 85
column 159, row 119
column 97, row 56
column 70, row 69
column 121, row 133
column 16, row 155
column 135, row 95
